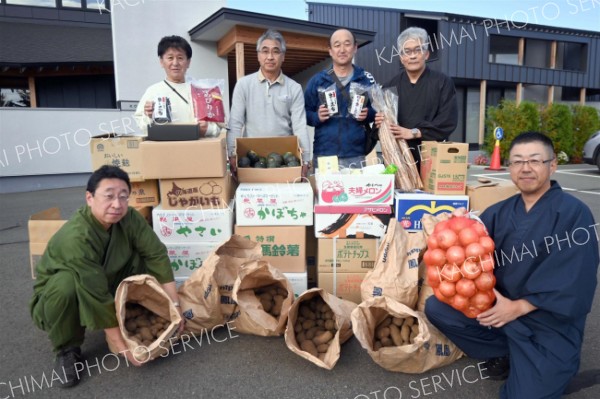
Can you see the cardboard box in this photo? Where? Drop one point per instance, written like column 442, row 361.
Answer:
column 274, row 204
column 192, row 225
column 298, row 282
column 351, row 225
column 346, row 189
column 208, row 192
column 263, row 146
column 311, row 256
column 410, row 207
column 41, row 227
column 351, row 255
column 184, row 159
column 187, row 257
column 146, row 212
column 444, row 167
column 347, row 285
column 118, row 150
column 373, row 209
column 284, row 247
column 144, row 193
column 482, row 195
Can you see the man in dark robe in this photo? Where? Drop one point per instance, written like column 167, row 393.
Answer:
column 427, row 108
column 546, row 267
column 103, row 243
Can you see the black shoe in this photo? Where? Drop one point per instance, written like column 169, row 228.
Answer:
column 497, row 368
column 65, row 364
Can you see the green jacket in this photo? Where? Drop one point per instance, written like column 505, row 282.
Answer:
column 99, row 260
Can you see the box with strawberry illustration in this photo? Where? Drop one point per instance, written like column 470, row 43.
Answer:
column 351, row 189
column 193, row 225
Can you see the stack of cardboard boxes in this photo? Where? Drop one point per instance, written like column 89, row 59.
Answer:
column 273, row 208
column 352, row 212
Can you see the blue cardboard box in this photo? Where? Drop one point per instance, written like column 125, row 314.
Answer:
column 410, row 207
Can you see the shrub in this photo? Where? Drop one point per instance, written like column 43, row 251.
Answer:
column 557, row 123
column 513, row 119
column 586, row 121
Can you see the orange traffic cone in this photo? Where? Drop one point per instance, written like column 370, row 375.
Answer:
column 495, row 164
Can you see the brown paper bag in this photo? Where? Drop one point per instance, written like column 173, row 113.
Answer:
column 430, row 349
column 341, row 310
column 396, row 270
column 205, row 296
column 146, row 291
column 251, row 317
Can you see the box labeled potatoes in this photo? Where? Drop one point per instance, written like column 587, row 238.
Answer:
column 444, row 167
column 410, row 207
column 284, row 247
column 200, row 193
column 193, row 225
column 119, row 150
column 274, row 204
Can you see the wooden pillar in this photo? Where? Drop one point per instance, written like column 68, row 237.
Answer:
column 32, row 95
column 582, row 96
column 519, row 93
column 550, row 95
column 553, row 48
column 239, row 60
column 521, row 55
column 482, row 104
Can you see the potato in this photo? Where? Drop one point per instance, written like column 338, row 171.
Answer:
column 387, row 342
column 396, row 336
column 322, row 356
column 267, row 305
column 265, row 296
column 405, row 332
column 307, row 313
column 282, row 292
column 320, row 322
column 272, row 291
column 297, row 327
column 397, row 321
column 382, row 332
column 310, row 333
column 308, row 324
column 142, row 321
column 412, row 336
column 146, row 334
column 409, row 320
column 322, row 348
column 377, row 345
column 130, row 325
column 309, row 347
column 323, row 338
column 330, row 324
column 385, row 322
column 328, row 315
column 300, row 337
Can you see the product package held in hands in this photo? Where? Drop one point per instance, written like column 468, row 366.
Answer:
column 208, row 100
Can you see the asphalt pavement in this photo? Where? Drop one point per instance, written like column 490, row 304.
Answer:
column 225, row 364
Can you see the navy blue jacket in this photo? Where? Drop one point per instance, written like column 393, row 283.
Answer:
column 341, row 134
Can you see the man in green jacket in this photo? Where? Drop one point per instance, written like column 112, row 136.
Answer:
column 84, row 262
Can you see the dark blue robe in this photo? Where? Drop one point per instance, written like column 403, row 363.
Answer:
column 549, row 257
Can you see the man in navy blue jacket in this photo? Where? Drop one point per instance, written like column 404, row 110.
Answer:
column 546, row 267
column 339, row 133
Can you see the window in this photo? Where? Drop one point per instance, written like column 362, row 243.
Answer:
column 537, row 53
column 571, row 56
column 535, row 93
column 14, row 92
column 38, row 3
column 566, row 94
column 504, row 50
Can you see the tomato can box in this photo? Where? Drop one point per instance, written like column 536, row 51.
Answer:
column 355, row 189
column 193, row 225
column 187, row 257
column 274, row 204
column 410, row 207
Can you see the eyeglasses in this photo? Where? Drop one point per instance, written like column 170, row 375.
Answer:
column 265, row 51
column 410, row 51
column 534, row 163
column 111, row 197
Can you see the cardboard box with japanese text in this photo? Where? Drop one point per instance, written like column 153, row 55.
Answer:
column 119, row 150
column 482, row 195
column 351, row 225
column 349, row 255
column 193, row 225
column 274, row 204
column 263, row 146
column 346, row 286
column 350, row 189
column 184, row 159
column 41, row 227
column 187, row 257
column 444, row 167
column 146, row 212
column 144, row 193
column 284, row 247
column 201, row 193
column 298, row 282
column 410, row 207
